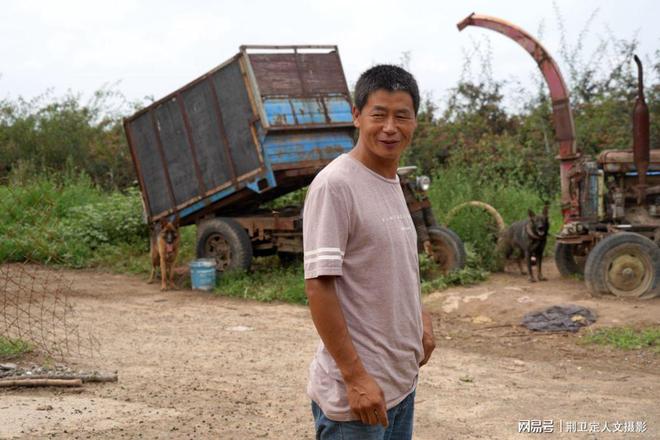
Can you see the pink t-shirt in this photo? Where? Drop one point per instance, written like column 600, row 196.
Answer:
column 356, row 226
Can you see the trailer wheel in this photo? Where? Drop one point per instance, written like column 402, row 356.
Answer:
column 224, row 240
column 448, row 249
column 568, row 263
column 625, row 264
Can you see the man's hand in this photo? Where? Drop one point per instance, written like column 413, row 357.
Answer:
column 367, row 400
column 428, row 339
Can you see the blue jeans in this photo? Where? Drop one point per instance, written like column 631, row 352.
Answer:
column 400, row 425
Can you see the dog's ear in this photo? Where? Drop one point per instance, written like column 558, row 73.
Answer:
column 545, row 210
column 531, row 213
column 163, row 222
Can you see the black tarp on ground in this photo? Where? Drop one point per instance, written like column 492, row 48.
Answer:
column 569, row 317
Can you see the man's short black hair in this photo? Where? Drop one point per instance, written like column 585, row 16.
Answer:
column 385, row 77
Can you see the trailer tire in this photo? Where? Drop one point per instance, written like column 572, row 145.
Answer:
column 448, row 249
column 566, row 262
column 624, row 264
column 224, row 240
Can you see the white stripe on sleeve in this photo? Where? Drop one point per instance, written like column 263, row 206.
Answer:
column 323, row 257
column 324, row 250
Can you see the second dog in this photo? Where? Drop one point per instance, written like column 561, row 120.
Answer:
column 527, row 238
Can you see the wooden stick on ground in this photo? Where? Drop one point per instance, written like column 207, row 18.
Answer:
column 85, row 377
column 30, row 382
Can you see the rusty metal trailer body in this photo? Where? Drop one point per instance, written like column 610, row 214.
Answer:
column 259, row 125
column 611, row 205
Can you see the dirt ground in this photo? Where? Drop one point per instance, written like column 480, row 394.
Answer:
column 194, row 365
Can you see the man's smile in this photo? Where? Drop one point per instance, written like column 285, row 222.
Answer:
column 389, row 143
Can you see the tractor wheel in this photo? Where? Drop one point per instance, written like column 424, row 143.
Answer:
column 625, row 264
column 448, row 249
column 224, row 240
column 568, row 263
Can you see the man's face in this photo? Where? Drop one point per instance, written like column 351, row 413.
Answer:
column 387, row 123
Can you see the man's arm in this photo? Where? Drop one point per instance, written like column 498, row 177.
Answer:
column 365, row 397
column 428, row 339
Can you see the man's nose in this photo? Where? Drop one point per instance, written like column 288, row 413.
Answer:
column 389, row 126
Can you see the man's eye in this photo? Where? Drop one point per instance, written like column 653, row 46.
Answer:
column 378, row 115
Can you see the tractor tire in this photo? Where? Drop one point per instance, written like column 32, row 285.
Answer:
column 624, row 264
column 567, row 262
column 448, row 249
column 225, row 241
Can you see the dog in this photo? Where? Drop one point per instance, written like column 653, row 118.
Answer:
column 527, row 238
column 164, row 250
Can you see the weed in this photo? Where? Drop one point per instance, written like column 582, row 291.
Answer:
column 267, row 281
column 625, row 338
column 10, row 348
column 472, row 273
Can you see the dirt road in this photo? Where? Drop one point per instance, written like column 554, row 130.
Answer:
column 193, row 365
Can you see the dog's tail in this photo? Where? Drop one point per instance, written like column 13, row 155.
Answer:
column 499, row 221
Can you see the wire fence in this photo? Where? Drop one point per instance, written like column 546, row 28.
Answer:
column 36, row 302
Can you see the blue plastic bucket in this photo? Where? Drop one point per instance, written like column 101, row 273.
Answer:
column 202, row 274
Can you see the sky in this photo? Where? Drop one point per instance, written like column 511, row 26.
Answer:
column 151, row 48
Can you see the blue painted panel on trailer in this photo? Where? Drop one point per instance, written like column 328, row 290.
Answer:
column 282, row 148
column 322, row 110
column 339, row 109
column 309, row 111
column 278, row 111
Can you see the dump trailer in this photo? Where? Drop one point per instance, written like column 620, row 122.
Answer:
column 259, row 126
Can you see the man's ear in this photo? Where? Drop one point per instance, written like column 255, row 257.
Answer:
column 356, row 115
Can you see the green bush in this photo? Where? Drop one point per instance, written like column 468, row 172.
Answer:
column 68, row 221
column 115, row 219
column 50, row 134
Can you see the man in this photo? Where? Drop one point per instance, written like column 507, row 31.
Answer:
column 362, row 273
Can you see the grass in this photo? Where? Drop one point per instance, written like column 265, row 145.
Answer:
column 267, row 281
column 472, row 273
column 10, row 348
column 625, row 338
